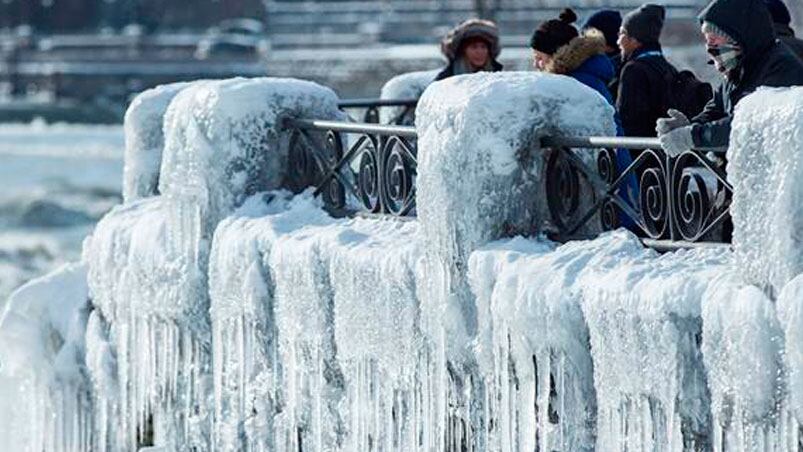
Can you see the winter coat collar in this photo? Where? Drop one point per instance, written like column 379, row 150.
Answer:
column 579, row 50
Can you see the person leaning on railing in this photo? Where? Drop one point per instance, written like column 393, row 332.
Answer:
column 472, row 46
column 558, row 48
column 740, row 39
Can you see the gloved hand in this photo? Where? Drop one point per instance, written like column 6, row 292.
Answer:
column 675, row 120
column 677, row 141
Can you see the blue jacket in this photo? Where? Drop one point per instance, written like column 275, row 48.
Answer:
column 596, row 72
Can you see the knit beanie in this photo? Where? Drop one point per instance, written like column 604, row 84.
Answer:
column 608, row 22
column 779, row 12
column 645, row 23
column 555, row 33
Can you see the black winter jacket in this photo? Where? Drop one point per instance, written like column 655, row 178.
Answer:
column 765, row 62
column 642, row 91
column 787, row 36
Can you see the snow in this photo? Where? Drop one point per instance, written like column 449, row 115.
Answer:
column 404, row 86
column 790, row 315
column 765, row 169
column 742, row 348
column 144, row 140
column 224, row 140
column 643, row 313
column 480, row 169
column 42, row 383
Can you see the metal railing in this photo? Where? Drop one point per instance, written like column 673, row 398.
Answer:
column 670, row 202
column 402, row 111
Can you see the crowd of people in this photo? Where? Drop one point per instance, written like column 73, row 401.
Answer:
column 750, row 42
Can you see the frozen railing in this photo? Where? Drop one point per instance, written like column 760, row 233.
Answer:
column 670, row 201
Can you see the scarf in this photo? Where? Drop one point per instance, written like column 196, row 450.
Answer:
column 727, row 57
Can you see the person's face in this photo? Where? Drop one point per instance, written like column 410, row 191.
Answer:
column 713, row 41
column 627, row 44
column 540, row 60
column 477, row 54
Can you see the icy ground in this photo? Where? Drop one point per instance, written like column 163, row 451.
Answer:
column 58, row 180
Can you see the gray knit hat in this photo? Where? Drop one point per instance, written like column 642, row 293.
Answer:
column 645, row 23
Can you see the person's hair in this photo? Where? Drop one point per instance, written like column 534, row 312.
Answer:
column 555, row 33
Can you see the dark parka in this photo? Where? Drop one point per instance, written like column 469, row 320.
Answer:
column 642, row 91
column 765, row 62
column 452, row 44
column 787, row 36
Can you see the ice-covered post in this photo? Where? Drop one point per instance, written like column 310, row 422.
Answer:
column 480, row 174
column 144, row 140
column 766, row 169
column 746, row 336
column 223, row 141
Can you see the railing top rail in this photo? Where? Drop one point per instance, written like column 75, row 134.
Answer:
column 353, row 127
column 365, row 103
column 611, row 142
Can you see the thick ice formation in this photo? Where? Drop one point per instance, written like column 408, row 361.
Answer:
column 224, row 140
column 405, row 86
column 243, row 289
column 480, row 168
column 144, row 140
column 43, row 383
column 148, row 259
column 765, row 169
column 790, row 314
column 644, row 317
column 742, row 348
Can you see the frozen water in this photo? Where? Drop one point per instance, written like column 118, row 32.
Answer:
column 742, row 348
column 144, row 139
column 405, row 86
column 644, row 318
column 224, row 140
column 764, row 168
column 43, row 387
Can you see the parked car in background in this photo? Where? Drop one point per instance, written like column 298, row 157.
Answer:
column 236, row 38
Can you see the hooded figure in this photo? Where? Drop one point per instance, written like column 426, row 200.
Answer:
column 456, row 43
column 750, row 57
column 608, row 22
column 781, row 21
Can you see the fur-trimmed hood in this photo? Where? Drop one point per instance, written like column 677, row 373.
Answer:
column 472, row 28
column 571, row 56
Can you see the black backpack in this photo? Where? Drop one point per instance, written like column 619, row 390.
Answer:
column 684, row 91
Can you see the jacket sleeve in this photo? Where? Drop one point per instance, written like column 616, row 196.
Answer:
column 633, row 102
column 712, row 127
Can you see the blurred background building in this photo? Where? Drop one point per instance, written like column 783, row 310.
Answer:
column 82, row 60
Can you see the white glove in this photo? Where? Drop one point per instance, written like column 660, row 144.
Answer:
column 675, row 120
column 677, row 141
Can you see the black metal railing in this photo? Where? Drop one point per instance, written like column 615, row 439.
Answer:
column 400, row 111
column 355, row 166
column 670, row 202
column 677, row 200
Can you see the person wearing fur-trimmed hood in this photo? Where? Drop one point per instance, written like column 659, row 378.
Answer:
column 558, row 48
column 472, row 46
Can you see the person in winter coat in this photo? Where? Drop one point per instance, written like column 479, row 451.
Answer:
column 642, row 83
column 558, row 48
column 781, row 22
column 608, row 22
column 740, row 39
column 472, row 46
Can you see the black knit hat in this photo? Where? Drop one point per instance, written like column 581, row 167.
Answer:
column 608, row 22
column 645, row 23
column 555, row 33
